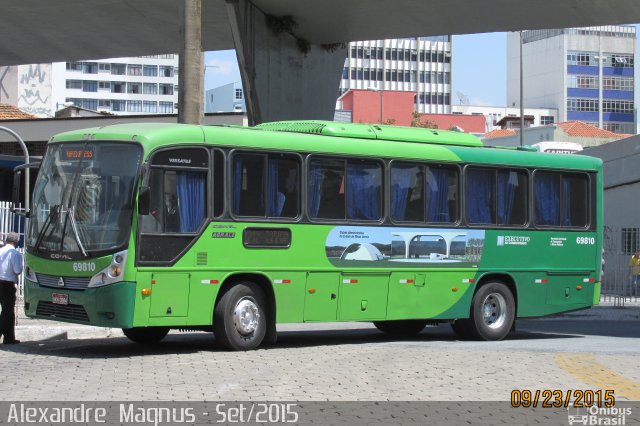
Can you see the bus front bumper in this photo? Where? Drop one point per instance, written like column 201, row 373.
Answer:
column 108, row 306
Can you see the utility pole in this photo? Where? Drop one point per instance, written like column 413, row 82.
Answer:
column 521, row 92
column 191, row 76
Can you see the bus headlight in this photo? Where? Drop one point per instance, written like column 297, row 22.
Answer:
column 30, row 275
column 112, row 273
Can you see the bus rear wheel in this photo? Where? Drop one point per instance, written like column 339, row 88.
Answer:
column 401, row 327
column 493, row 312
column 239, row 318
column 146, row 335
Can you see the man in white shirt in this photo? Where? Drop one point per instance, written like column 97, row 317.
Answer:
column 10, row 268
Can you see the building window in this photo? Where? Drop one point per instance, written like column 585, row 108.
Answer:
column 149, row 106
column 165, row 107
column 134, row 106
column 166, row 71
column 117, row 105
column 104, row 103
column 238, row 94
column 74, row 84
column 134, row 69
column 90, row 68
column 620, row 61
column 617, row 83
column 104, row 85
column 545, row 120
column 582, row 81
column 118, row 69
column 166, row 89
column 584, row 105
column 582, row 58
column 134, row 88
column 118, row 87
column 150, row 71
column 104, row 67
column 74, row 66
column 150, row 88
column 89, row 86
column 617, row 106
column 630, row 240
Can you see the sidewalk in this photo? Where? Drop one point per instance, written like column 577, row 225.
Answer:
column 29, row 329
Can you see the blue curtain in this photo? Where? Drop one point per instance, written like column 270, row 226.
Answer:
column 400, row 181
column 316, row 177
column 479, row 198
column 274, row 208
column 547, row 199
column 363, row 191
column 237, row 182
column 190, row 188
column 437, row 195
column 507, row 184
column 566, row 202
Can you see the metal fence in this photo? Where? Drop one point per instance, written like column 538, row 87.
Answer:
column 617, row 284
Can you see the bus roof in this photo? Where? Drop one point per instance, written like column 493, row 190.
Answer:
column 333, row 138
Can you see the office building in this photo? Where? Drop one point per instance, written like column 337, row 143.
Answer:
column 136, row 85
column 421, row 65
column 588, row 74
column 226, row 98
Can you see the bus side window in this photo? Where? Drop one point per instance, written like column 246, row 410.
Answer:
column 407, row 193
column 480, row 195
column 326, row 189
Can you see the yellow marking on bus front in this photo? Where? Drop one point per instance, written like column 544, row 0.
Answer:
column 585, row 367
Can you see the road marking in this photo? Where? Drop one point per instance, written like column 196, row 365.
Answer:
column 585, row 367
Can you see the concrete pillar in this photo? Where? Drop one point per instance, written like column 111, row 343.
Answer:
column 191, row 77
column 281, row 80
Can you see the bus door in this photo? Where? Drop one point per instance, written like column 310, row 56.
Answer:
column 363, row 296
column 175, row 212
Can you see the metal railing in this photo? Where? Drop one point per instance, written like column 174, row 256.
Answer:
column 617, row 280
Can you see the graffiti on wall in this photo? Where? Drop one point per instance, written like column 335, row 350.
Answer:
column 34, row 89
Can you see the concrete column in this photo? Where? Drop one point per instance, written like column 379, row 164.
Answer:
column 191, row 77
column 281, row 81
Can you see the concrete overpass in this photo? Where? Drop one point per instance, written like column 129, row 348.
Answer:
column 290, row 52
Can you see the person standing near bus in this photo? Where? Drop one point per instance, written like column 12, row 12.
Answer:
column 634, row 271
column 10, row 268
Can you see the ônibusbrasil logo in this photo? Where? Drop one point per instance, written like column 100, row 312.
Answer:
column 595, row 415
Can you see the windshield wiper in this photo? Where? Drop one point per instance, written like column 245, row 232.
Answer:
column 76, row 234
column 53, row 215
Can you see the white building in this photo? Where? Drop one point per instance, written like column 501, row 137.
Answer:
column 588, row 74
column 226, row 98
column 136, row 85
column 419, row 64
column 493, row 114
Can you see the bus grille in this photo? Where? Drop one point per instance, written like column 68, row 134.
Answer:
column 70, row 283
column 72, row 312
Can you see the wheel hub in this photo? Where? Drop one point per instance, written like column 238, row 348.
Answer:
column 246, row 316
column 494, row 310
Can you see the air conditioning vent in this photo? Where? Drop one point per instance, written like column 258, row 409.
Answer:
column 201, row 258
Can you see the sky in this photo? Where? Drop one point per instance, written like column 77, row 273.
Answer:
column 479, row 68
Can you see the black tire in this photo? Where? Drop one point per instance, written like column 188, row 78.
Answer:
column 231, row 331
column 146, row 335
column 401, row 327
column 462, row 328
column 493, row 312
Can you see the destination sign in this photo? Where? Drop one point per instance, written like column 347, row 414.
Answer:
column 73, row 153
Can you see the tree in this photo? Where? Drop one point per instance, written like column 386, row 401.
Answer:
column 416, row 121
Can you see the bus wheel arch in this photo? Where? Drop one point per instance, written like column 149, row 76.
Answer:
column 493, row 309
column 251, row 283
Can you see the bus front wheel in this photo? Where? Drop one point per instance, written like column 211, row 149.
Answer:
column 493, row 312
column 401, row 327
column 146, row 335
column 239, row 318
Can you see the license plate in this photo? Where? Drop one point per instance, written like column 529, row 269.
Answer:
column 60, row 299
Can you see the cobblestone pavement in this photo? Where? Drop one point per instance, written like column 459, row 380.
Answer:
column 330, row 362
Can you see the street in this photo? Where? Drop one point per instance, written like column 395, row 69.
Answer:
column 336, row 362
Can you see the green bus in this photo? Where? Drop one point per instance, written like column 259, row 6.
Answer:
column 152, row 227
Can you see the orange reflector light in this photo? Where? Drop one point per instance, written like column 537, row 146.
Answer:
column 312, row 290
column 146, row 291
column 153, row 281
column 579, row 287
column 454, row 289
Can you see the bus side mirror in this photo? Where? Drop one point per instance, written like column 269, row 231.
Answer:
column 15, row 194
column 17, row 187
column 143, row 200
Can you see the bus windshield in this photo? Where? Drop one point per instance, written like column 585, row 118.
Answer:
column 83, row 199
